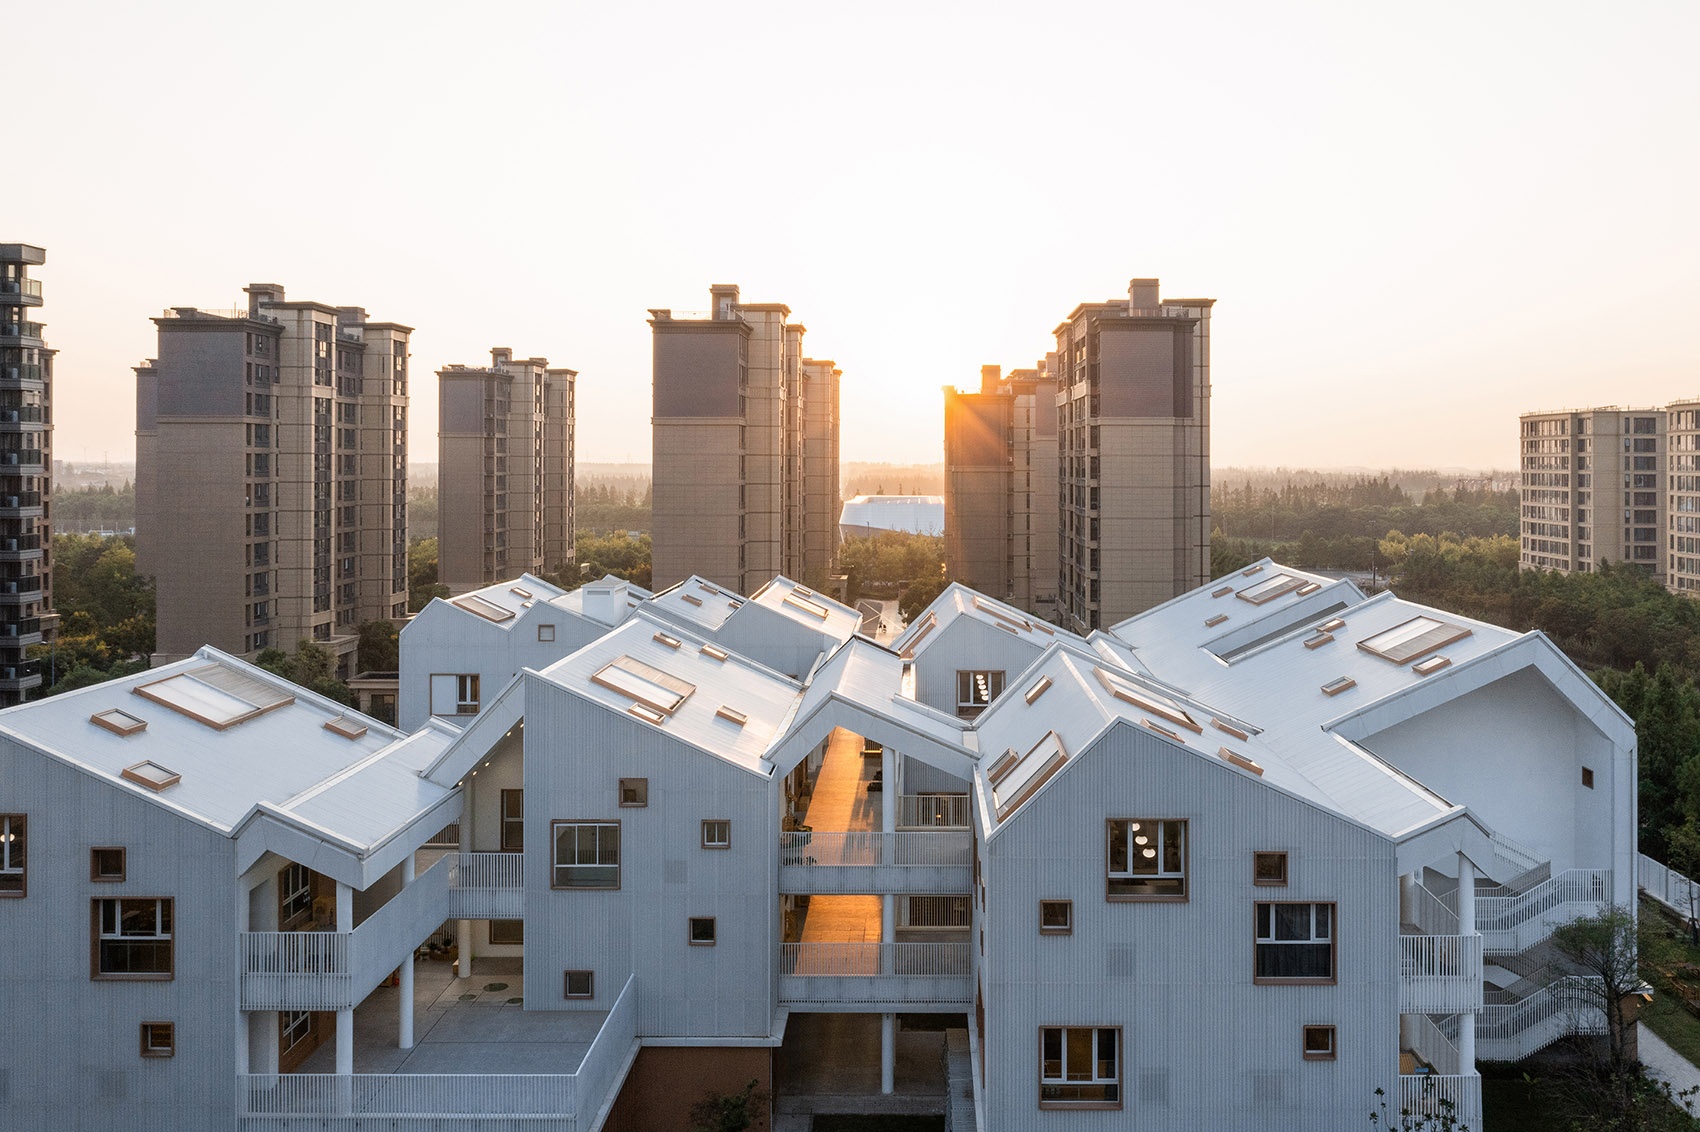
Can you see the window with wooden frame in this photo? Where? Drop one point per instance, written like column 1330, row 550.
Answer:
column 1319, row 1043
column 1056, row 917
column 716, row 833
column 454, row 693
column 507, row 932
column 1080, row 1067
column 132, row 939
column 976, row 689
column 294, row 895
column 1269, row 869
column 1146, row 859
column 159, row 1039
column 702, row 931
column 14, row 854
column 293, row 1028
column 578, row 984
column 586, row 854
column 513, row 821
column 634, row 792
column 106, row 863
column 1295, row 943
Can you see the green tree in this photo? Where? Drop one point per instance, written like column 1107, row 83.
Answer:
column 380, row 647
column 730, row 1112
column 312, row 666
column 422, row 583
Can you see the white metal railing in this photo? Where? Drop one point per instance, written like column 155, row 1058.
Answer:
column 1574, row 999
column 1573, row 886
column 1432, row 914
column 1668, row 886
column 1517, row 858
column 295, row 970
column 1439, row 1094
column 265, row 1098
column 387, row 938
column 932, row 810
column 936, row 911
column 600, row 1073
column 1440, row 974
column 486, row 886
column 1430, row 1043
column 953, row 847
column 860, row 958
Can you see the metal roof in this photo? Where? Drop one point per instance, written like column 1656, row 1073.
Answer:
column 910, row 514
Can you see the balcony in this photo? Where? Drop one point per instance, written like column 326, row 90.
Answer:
column 21, row 373
column 21, row 329
column 24, row 292
column 932, row 811
column 335, row 970
column 15, row 591
column 22, row 414
column 486, row 886
column 1440, row 974
column 23, row 459
column 862, row 862
column 1438, row 1096
column 872, row 975
column 433, row 1102
column 20, row 500
column 20, row 677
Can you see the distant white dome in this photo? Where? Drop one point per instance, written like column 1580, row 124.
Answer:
column 912, row 514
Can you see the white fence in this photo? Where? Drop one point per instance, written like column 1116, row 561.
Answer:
column 955, row 847
column 1436, row 1095
column 1514, row 923
column 859, row 972
column 1431, row 1044
column 1514, row 1030
column 1440, row 974
column 486, row 886
column 933, row 810
column 1669, row 887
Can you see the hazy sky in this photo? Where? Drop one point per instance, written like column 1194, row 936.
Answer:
column 1418, row 221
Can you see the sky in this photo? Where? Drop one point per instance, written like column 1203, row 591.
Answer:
column 1417, row 222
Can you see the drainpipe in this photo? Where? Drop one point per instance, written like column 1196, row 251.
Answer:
column 405, row 1012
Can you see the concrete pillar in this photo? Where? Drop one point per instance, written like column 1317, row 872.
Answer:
column 243, row 897
column 888, row 1053
column 464, row 945
column 344, row 1018
column 888, row 855
column 1407, row 898
column 405, row 1012
column 1466, row 926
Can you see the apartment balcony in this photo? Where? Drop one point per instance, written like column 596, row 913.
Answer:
column 916, row 861
column 16, row 376
column 869, row 976
column 17, row 591
column 1440, row 974
column 336, row 970
column 23, row 415
column 21, row 329
column 27, row 461
column 1437, row 1096
column 486, row 886
column 23, row 501
column 932, row 811
column 20, row 677
column 473, row 1102
column 20, row 292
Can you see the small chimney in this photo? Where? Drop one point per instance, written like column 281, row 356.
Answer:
column 989, row 378
column 1142, row 295
column 605, row 600
column 723, row 296
column 501, row 356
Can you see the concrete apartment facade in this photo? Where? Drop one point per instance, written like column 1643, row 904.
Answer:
column 666, row 865
column 505, row 470
column 1133, row 404
column 26, row 462
column 271, row 475
column 1596, row 489
column 1000, row 458
column 740, row 453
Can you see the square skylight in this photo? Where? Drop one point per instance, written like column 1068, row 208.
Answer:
column 1032, row 771
column 118, row 722
column 346, row 727
column 214, row 695
column 488, row 610
column 151, row 775
column 1410, row 639
column 644, row 683
column 1162, row 707
column 1270, row 588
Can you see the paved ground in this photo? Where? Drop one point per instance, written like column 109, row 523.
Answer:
column 841, row 804
column 1669, row 1066
column 831, row 1063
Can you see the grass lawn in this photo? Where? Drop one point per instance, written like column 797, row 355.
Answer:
column 1511, row 1104
column 1663, row 945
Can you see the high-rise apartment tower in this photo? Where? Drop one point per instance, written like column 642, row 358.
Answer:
column 26, row 436
column 1000, row 487
column 745, row 446
column 271, row 475
column 505, row 470
column 1133, row 414
column 1594, row 488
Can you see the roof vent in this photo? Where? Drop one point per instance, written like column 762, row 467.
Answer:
column 118, row 722
column 346, row 727
column 151, row 775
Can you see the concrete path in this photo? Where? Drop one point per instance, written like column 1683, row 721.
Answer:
column 1669, row 1066
column 842, row 804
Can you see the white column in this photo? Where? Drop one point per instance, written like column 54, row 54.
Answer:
column 405, row 1012
column 243, row 902
column 1466, row 926
column 1407, row 898
column 345, row 1017
column 888, row 855
column 464, row 946
column 888, row 1053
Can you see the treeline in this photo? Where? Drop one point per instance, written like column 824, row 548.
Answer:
column 93, row 508
column 1322, row 513
column 605, row 505
column 106, row 626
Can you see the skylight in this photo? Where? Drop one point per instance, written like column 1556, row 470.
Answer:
column 1270, row 588
column 1319, row 640
column 1212, row 622
column 1034, row 769
column 1432, row 664
column 1128, row 692
column 1002, row 615
column 732, row 714
column 1222, row 592
column 215, row 695
column 151, row 775
column 670, row 641
column 1038, row 689
column 522, row 593
column 1331, row 624
column 1005, row 763
column 488, row 610
column 692, row 598
column 1337, row 685
column 644, row 683
column 1241, row 761
column 346, row 727
column 1221, row 724
column 927, row 625
column 118, row 722
column 813, row 608
column 714, row 652
column 1411, row 639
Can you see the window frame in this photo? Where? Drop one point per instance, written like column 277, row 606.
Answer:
column 1127, row 877
column 154, row 1048
column 1258, row 857
column 1259, row 942
column 290, row 910
column 508, row 935
column 1063, row 1081
column 512, row 825
column 691, row 931
column 550, row 639
column 555, row 865
column 14, row 878
column 460, row 701
column 640, row 787
column 96, row 876
column 1331, row 1052
column 708, row 825
column 1066, row 927
column 567, row 984
column 164, row 913
column 996, row 680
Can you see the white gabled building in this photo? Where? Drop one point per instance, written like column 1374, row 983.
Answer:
column 1251, row 855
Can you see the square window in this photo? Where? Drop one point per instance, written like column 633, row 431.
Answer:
column 1269, row 869
column 1588, row 777
column 1295, row 943
column 106, row 863
column 578, row 984
column 507, row 931
column 1080, row 1067
column 14, row 845
column 716, row 834
column 131, row 939
column 702, row 931
column 634, row 792
column 159, row 1039
column 586, row 854
column 1146, row 859
column 1056, row 917
column 1319, row 1043
column 975, row 689
column 546, row 632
